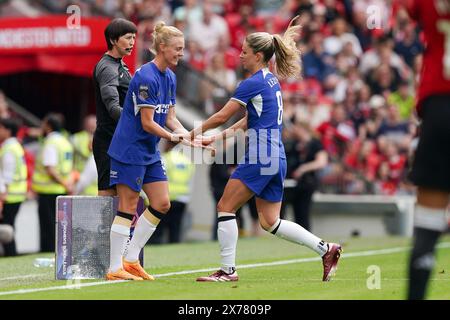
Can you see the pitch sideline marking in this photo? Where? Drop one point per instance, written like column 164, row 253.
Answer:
column 255, row 265
column 24, row 276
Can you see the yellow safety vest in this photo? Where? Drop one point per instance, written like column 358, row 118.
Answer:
column 17, row 189
column 91, row 190
column 179, row 170
column 42, row 182
column 81, row 152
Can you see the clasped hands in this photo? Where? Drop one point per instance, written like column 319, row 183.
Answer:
column 198, row 141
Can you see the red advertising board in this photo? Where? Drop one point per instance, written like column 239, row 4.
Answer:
column 48, row 44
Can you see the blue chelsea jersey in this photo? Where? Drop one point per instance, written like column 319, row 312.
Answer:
column 261, row 95
column 149, row 88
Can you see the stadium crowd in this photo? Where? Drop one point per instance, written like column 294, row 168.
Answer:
column 357, row 86
column 361, row 61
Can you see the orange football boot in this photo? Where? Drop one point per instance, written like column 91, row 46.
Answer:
column 121, row 274
column 136, row 269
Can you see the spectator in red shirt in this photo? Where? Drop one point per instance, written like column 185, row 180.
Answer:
column 383, row 184
column 336, row 132
column 242, row 23
column 363, row 157
column 395, row 160
column 195, row 56
column 231, row 54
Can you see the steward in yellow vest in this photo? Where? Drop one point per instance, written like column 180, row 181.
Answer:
column 52, row 177
column 53, row 166
column 16, row 189
column 13, row 177
column 82, row 152
column 180, row 172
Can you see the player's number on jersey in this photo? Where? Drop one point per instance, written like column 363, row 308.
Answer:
column 444, row 27
column 280, row 107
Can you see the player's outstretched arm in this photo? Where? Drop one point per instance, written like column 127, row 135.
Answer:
column 217, row 119
column 180, row 134
column 240, row 126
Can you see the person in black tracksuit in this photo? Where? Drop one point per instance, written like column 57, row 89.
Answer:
column 111, row 80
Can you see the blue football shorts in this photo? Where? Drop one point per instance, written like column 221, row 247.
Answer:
column 266, row 181
column 135, row 176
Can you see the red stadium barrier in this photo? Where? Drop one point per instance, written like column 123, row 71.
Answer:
column 47, row 44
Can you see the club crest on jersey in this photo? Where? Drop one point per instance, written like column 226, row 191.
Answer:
column 143, row 92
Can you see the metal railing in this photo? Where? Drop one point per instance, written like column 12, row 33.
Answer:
column 29, row 118
column 199, row 90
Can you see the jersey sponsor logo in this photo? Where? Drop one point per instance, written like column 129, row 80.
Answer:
column 143, row 92
column 162, row 108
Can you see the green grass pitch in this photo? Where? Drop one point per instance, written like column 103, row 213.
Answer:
column 272, row 269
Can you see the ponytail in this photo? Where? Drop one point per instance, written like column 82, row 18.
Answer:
column 287, row 55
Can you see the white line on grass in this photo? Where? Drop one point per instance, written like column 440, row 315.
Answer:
column 255, row 265
column 24, row 276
